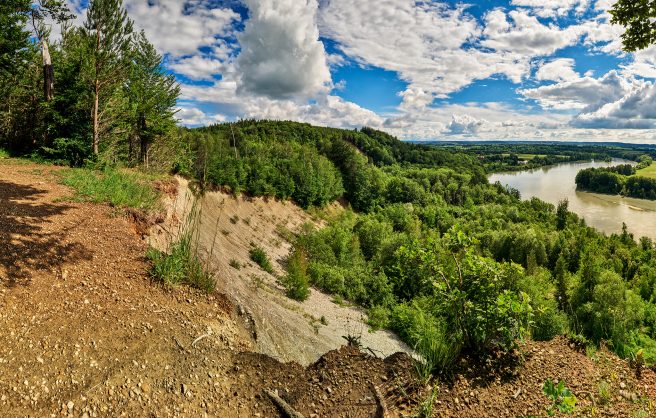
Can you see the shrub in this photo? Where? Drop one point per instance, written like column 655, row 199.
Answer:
column 259, row 256
column 296, row 280
column 428, row 334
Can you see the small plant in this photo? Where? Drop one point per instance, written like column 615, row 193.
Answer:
column 225, row 232
column 323, row 320
column 179, row 266
column 259, row 256
column 562, row 399
column 234, row 264
column 604, row 392
column 120, row 188
column 247, row 221
column 3, row 154
column 638, row 362
column 426, row 406
column 234, row 219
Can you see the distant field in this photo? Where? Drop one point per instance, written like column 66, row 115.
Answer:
column 530, row 156
column 648, row 172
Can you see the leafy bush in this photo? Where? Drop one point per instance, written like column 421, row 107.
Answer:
column 259, row 256
column 428, row 334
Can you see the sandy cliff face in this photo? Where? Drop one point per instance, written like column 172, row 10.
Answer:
column 226, row 226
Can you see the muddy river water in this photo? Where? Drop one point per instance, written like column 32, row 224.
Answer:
column 603, row 212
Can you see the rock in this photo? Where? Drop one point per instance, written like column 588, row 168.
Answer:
column 622, row 385
column 70, row 405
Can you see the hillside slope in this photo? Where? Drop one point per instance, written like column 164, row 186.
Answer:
column 227, row 228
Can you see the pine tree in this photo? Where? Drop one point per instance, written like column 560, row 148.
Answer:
column 109, row 30
column 152, row 95
column 14, row 39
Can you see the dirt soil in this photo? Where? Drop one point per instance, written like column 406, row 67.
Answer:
column 85, row 332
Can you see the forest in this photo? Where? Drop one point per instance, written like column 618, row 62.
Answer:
column 434, row 252
column 506, row 157
column 625, row 180
column 451, row 263
column 98, row 93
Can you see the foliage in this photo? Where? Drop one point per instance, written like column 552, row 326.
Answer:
column 561, row 397
column 120, row 188
column 296, row 281
column 111, row 94
column 259, row 256
column 638, row 19
column 180, row 266
column 618, row 180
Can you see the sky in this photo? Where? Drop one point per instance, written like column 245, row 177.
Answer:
column 550, row 70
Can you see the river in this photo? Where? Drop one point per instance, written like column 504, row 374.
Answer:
column 604, row 212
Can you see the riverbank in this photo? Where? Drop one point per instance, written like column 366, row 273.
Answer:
column 604, row 212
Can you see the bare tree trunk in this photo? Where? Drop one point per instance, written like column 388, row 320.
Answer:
column 96, row 102
column 48, row 73
column 96, row 124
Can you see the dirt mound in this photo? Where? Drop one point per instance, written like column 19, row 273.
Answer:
column 603, row 384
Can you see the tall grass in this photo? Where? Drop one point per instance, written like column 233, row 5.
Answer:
column 120, row 188
column 180, row 264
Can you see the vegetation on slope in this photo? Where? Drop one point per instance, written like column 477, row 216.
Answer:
column 453, row 264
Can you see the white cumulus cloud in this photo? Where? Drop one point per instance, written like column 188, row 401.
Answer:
column 281, row 54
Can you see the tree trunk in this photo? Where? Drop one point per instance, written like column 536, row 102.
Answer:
column 144, row 141
column 96, row 101
column 48, row 73
column 96, row 124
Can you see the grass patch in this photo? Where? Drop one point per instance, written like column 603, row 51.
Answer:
column 649, row 172
column 259, row 256
column 120, row 188
column 180, row 266
column 4, row 154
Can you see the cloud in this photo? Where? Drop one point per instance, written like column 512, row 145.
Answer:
column 464, row 125
column 553, row 8
column 524, row 34
column 636, row 110
column 281, row 55
column 181, row 28
column 584, row 93
column 561, row 69
column 191, row 116
column 197, row 67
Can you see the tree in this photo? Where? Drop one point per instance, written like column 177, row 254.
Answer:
column 40, row 11
column 109, row 31
column 561, row 214
column 639, row 19
column 14, row 39
column 152, row 94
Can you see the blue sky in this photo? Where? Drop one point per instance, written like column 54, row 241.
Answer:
column 515, row 69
